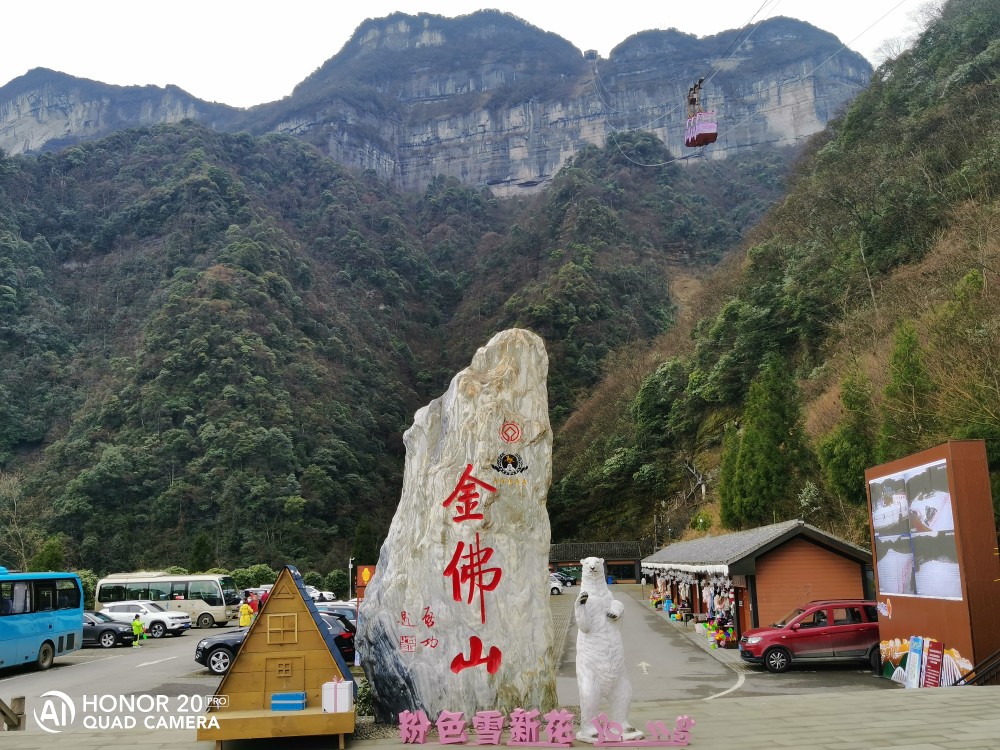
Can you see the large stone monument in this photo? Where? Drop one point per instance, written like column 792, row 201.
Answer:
column 456, row 617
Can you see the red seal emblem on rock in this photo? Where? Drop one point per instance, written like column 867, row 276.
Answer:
column 510, row 432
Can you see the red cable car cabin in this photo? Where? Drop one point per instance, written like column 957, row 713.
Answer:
column 702, row 128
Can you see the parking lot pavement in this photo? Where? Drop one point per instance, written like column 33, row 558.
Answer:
column 801, row 714
column 928, row 719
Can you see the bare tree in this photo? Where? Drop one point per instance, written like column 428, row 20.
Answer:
column 18, row 538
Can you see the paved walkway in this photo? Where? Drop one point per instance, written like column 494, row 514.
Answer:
column 892, row 719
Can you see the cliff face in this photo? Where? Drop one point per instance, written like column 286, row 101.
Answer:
column 489, row 99
column 45, row 109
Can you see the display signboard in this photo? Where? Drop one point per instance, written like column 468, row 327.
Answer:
column 937, row 573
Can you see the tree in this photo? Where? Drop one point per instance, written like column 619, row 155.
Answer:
column 849, row 449
column 727, row 477
column 49, row 557
column 312, row 578
column 176, row 570
column 202, row 555
column 18, row 536
column 261, row 574
column 907, row 415
column 771, row 451
column 243, row 578
column 809, row 500
column 365, row 551
column 89, row 580
column 336, row 581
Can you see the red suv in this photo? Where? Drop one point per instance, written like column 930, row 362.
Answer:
column 829, row 630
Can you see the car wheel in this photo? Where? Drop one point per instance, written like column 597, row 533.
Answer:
column 206, row 620
column 219, row 660
column 107, row 639
column 46, row 654
column 875, row 660
column 777, row 660
column 555, row 590
column 157, row 629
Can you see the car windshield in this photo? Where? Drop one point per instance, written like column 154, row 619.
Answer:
column 154, row 607
column 788, row 618
column 101, row 617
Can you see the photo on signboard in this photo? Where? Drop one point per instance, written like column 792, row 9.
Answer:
column 895, row 564
column 890, row 509
column 936, row 572
column 930, row 500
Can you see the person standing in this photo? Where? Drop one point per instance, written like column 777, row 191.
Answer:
column 137, row 631
column 254, row 606
column 246, row 614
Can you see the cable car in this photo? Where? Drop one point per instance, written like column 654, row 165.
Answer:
column 702, row 128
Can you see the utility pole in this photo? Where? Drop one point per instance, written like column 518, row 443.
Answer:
column 350, row 579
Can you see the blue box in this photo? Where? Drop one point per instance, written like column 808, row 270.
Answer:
column 293, row 701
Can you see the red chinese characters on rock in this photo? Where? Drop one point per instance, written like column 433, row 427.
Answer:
column 469, row 568
column 466, row 498
column 408, row 643
column 491, row 660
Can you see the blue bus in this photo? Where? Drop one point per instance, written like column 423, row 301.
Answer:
column 41, row 616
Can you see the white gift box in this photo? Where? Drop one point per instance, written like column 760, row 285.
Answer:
column 338, row 697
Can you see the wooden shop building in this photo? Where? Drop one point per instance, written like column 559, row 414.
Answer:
column 770, row 571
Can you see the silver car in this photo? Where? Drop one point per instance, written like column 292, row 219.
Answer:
column 155, row 620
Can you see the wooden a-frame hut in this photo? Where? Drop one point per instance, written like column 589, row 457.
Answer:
column 288, row 649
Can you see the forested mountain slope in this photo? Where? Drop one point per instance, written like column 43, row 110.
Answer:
column 857, row 325
column 204, row 333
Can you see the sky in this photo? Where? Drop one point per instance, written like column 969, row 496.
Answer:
column 246, row 52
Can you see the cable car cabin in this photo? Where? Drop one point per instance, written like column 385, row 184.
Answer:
column 701, row 130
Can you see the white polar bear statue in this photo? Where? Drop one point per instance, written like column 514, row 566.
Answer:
column 600, row 655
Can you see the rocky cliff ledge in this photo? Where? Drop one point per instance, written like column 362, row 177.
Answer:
column 44, row 109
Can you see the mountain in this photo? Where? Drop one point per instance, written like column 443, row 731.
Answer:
column 221, row 335
column 486, row 98
column 44, row 109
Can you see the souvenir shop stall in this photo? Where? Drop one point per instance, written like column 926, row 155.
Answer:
column 741, row 580
column 705, row 602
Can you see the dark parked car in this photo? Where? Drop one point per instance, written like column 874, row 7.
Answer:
column 104, row 631
column 347, row 610
column 832, row 630
column 218, row 651
column 567, row 579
